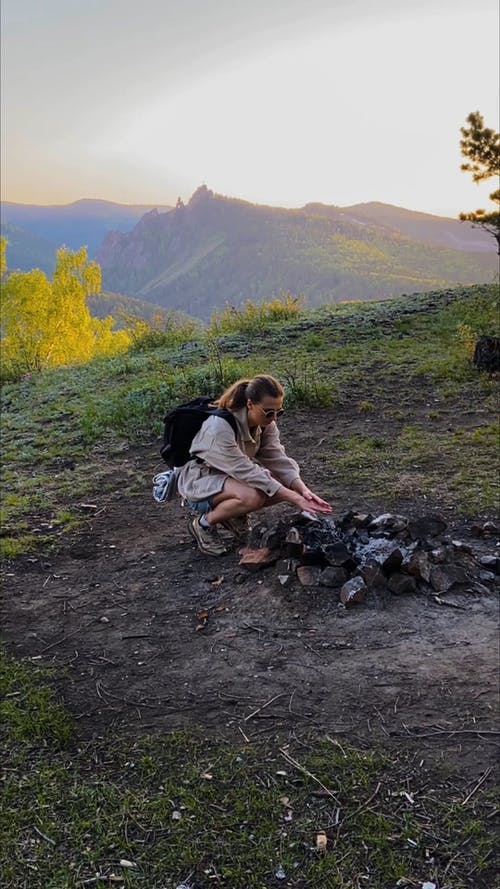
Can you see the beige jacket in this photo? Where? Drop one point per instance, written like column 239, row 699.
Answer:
column 258, row 460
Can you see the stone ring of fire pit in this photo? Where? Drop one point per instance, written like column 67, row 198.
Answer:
column 361, row 553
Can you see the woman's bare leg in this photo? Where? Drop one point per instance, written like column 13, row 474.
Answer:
column 236, row 499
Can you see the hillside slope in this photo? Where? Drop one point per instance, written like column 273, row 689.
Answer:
column 218, row 250
column 181, row 675
column 117, row 305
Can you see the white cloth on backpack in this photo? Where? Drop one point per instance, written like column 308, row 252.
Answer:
column 165, row 485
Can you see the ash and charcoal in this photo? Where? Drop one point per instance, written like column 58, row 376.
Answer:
column 362, row 554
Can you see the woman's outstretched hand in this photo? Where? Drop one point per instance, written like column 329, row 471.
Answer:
column 309, row 500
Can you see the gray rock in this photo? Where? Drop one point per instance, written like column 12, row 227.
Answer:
column 393, row 561
column 373, row 576
column 429, row 525
column 388, row 522
column 461, row 546
column 313, row 556
column 383, row 552
column 309, row 575
column 257, row 532
column 491, row 563
column 400, row 584
column 439, row 555
column 294, row 545
column 491, row 528
column 337, row 554
column 487, row 577
column 287, row 566
column 417, row 564
column 273, row 538
column 345, row 520
column 332, row 577
column 353, row 591
column 362, row 519
column 285, row 579
column 443, row 578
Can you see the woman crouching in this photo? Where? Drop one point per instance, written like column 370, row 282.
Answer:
column 231, row 476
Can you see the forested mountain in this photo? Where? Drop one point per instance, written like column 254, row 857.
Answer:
column 27, row 251
column 84, row 222
column 218, row 250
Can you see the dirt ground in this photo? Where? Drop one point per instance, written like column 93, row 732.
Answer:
column 119, row 608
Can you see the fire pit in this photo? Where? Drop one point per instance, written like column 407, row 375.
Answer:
column 362, row 553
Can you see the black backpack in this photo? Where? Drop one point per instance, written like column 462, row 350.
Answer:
column 183, row 422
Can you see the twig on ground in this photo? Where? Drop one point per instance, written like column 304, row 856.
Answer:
column 102, row 878
column 69, row 635
column 254, row 712
column 44, row 835
column 100, row 687
column 364, row 805
column 337, row 744
column 456, row 855
column 138, row 636
column 478, row 785
column 309, row 774
column 247, row 740
column 310, row 647
column 440, row 601
column 252, row 627
column 444, row 731
column 459, row 731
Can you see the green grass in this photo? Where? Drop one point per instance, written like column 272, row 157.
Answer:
column 183, row 807
column 418, row 460
column 29, row 713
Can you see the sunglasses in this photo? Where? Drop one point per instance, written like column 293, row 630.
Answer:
column 270, row 413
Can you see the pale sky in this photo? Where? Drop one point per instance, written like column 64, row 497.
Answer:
column 280, row 102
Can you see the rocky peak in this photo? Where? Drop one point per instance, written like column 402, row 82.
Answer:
column 200, row 196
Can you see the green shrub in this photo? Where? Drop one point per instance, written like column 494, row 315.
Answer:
column 252, row 317
column 174, row 330
column 303, row 386
column 133, row 412
column 314, row 341
column 128, row 411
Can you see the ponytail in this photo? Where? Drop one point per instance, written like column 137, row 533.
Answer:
column 234, row 397
column 237, row 395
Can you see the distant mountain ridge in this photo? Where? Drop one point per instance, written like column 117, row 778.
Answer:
column 218, row 250
column 421, row 226
column 86, row 221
